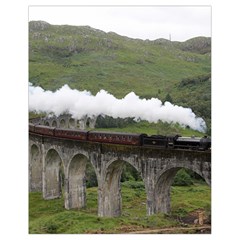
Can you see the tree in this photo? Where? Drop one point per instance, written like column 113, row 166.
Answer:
column 168, row 98
column 182, row 178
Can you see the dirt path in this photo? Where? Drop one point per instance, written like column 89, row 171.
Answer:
column 196, row 229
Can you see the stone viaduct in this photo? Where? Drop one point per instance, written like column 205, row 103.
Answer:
column 66, row 121
column 49, row 156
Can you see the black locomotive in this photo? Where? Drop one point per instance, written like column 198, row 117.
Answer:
column 158, row 141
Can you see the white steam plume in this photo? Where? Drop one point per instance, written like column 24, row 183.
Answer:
column 82, row 103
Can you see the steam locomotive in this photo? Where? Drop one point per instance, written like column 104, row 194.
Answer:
column 158, row 141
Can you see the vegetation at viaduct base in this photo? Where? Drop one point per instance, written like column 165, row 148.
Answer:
column 51, row 217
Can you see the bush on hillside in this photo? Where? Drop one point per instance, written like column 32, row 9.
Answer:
column 182, row 178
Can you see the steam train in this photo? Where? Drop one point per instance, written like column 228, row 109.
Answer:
column 158, row 141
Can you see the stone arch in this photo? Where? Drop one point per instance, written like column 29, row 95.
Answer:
column 54, row 123
column 52, row 175
column 62, row 123
column 129, row 160
column 111, row 198
column 46, row 123
column 82, row 123
column 35, row 169
column 92, row 122
column 162, row 199
column 75, row 182
column 162, row 191
column 72, row 123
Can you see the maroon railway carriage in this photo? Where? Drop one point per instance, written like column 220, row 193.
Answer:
column 115, row 138
column 159, row 141
column 71, row 133
column 44, row 130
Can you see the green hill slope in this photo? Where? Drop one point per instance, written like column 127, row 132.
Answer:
column 86, row 58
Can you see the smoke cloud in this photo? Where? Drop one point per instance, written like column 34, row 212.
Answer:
column 82, row 103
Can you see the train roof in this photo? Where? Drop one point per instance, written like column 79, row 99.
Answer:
column 192, row 139
column 72, row 130
column 116, row 133
column 43, row 126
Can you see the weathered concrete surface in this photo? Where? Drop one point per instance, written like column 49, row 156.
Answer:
column 75, row 183
column 35, row 168
column 156, row 166
column 51, row 175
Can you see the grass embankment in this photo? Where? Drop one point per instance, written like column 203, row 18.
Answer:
column 159, row 128
column 51, row 217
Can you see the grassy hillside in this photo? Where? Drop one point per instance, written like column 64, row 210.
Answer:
column 159, row 128
column 86, row 58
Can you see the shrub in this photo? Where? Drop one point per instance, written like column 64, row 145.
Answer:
column 51, row 227
column 182, row 178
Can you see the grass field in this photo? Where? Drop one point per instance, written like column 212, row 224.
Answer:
column 159, row 128
column 50, row 216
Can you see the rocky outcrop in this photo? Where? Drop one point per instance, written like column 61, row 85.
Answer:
column 38, row 25
column 200, row 45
